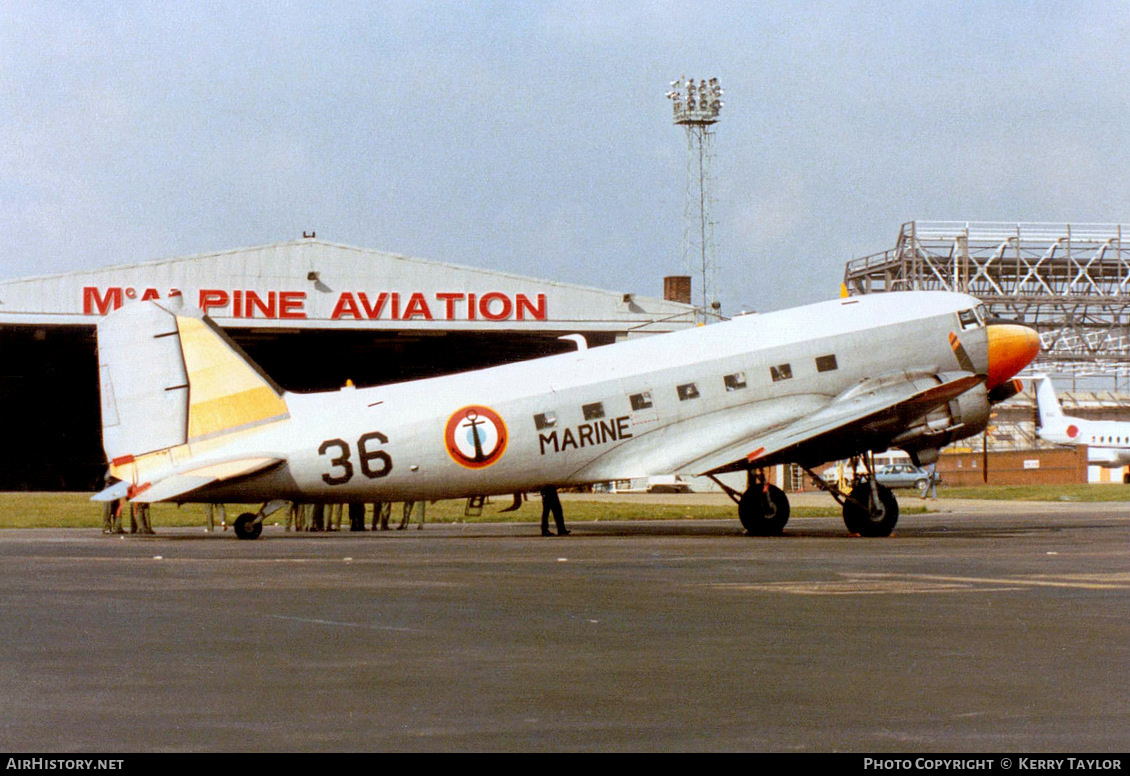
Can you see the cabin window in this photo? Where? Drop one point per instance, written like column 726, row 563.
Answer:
column 781, row 372
column 545, row 420
column 593, row 411
column 826, row 363
column 640, row 401
column 687, row 391
column 734, row 382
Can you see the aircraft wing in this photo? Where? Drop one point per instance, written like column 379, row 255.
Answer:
column 876, row 409
column 182, row 483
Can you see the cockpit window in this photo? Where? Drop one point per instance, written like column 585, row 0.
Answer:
column 968, row 319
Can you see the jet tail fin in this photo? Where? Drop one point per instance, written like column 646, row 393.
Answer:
column 171, row 382
column 1047, row 405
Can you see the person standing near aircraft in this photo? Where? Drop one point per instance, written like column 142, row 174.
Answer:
column 296, row 516
column 409, row 507
column 930, row 489
column 139, row 518
column 381, row 512
column 109, row 508
column 210, row 511
column 551, row 502
column 356, row 516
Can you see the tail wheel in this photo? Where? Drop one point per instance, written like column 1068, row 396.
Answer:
column 246, row 527
column 764, row 510
column 867, row 519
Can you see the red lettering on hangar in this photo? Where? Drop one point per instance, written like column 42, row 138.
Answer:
column 447, row 306
column 242, row 303
column 359, row 305
column 95, row 303
column 282, row 305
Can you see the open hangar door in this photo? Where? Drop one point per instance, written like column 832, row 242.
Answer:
column 49, row 383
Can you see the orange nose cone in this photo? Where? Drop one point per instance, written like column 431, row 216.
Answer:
column 1011, row 348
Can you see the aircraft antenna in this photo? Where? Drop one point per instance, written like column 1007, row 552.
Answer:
column 696, row 106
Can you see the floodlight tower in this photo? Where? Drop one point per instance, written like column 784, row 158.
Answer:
column 696, row 108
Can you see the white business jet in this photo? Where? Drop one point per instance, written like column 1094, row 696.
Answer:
column 1107, row 441
column 187, row 417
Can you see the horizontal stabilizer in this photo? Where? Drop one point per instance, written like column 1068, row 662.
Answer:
column 113, row 493
column 172, row 487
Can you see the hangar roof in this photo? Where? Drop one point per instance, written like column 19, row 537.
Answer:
column 314, row 284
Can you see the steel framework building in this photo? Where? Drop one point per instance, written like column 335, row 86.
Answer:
column 1070, row 281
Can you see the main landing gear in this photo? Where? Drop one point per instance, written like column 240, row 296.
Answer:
column 762, row 508
column 870, row 509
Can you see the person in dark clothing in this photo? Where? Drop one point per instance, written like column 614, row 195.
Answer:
column 356, row 516
column 551, row 503
column 110, row 509
column 382, row 510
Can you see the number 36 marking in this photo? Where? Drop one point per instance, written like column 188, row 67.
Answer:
column 374, row 463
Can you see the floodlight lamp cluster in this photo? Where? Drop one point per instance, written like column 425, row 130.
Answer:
column 696, row 103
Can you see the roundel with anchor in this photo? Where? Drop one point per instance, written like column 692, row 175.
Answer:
column 475, row 436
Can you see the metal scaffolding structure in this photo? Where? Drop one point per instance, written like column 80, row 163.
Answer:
column 1070, row 281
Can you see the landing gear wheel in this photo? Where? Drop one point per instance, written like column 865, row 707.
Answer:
column 867, row 519
column 764, row 510
column 246, row 527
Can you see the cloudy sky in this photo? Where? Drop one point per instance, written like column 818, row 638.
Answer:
column 534, row 137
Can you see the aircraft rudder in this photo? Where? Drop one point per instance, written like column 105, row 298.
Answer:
column 1052, row 424
column 143, row 387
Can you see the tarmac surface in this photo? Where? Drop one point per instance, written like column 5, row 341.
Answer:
column 979, row 628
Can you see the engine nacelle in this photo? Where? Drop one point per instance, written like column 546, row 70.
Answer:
column 958, row 418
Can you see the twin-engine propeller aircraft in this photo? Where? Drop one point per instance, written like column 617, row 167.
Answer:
column 188, row 418
column 1107, row 441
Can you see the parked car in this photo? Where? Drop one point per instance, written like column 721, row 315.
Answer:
column 667, row 484
column 903, row 475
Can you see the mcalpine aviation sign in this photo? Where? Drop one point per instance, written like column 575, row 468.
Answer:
column 349, row 305
column 309, row 284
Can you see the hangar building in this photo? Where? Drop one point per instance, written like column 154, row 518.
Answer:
column 311, row 313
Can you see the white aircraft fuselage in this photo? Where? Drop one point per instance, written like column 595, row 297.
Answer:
column 810, row 384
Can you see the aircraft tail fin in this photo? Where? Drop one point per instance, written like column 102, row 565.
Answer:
column 1051, row 416
column 170, row 377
